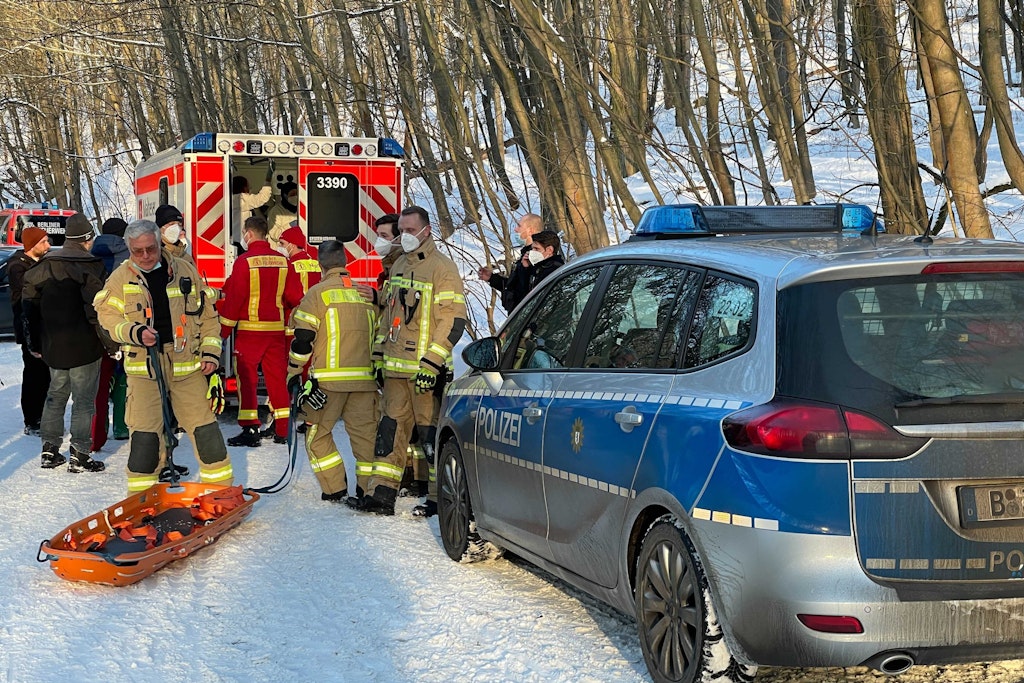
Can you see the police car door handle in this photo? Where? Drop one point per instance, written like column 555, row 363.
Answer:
column 532, row 413
column 629, row 418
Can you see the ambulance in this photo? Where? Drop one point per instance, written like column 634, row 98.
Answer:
column 15, row 218
column 344, row 185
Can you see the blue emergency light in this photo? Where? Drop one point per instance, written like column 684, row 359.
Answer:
column 693, row 220
column 386, row 147
column 201, row 142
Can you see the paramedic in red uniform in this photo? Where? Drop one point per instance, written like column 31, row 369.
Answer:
column 256, row 295
column 303, row 269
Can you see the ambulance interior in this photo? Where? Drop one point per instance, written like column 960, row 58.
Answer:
column 254, row 169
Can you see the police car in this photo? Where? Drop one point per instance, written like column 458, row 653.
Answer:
column 772, row 444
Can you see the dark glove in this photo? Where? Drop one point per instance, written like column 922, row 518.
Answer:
column 215, row 394
column 270, row 170
column 425, row 380
column 295, row 383
column 377, row 360
column 312, row 395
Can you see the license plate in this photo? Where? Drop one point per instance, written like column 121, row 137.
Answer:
column 991, row 505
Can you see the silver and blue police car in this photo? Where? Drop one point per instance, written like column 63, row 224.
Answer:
column 772, row 444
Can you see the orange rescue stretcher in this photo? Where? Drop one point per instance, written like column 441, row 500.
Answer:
column 130, row 540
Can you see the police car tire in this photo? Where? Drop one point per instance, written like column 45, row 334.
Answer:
column 455, row 511
column 666, row 547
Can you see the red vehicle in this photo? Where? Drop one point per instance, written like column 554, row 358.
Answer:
column 344, row 185
column 14, row 219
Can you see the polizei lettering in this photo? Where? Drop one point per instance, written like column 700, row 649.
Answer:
column 499, row 425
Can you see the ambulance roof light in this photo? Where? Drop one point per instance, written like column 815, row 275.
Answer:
column 386, row 147
column 200, row 142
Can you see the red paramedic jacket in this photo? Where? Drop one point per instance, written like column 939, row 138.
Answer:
column 258, row 292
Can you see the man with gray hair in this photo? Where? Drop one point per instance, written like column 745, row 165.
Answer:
column 156, row 300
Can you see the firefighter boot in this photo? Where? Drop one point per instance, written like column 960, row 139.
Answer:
column 82, row 462
column 382, row 502
column 428, row 509
column 249, row 436
column 118, row 394
column 165, row 473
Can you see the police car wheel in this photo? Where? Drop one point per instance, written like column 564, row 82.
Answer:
column 680, row 635
column 455, row 511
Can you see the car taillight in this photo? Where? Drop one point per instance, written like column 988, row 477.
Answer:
column 828, row 623
column 803, row 429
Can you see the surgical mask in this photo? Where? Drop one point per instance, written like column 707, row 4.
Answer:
column 158, row 265
column 410, row 242
column 535, row 256
column 172, row 233
column 383, row 246
column 283, row 251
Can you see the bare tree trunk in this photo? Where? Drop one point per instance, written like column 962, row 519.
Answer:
column 715, row 157
column 959, row 134
column 990, row 33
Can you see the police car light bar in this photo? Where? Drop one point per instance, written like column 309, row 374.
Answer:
column 693, row 220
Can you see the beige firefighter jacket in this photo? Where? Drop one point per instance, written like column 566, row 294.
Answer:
column 121, row 308
column 423, row 312
column 343, row 323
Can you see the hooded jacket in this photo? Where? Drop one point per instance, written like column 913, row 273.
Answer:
column 57, row 303
column 112, row 249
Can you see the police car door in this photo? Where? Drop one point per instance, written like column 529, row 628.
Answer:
column 509, row 424
column 603, row 411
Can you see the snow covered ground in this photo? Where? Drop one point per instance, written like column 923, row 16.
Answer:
column 302, row 591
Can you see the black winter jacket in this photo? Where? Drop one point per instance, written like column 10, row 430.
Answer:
column 57, row 304
column 545, row 268
column 17, row 266
column 514, row 287
column 112, row 249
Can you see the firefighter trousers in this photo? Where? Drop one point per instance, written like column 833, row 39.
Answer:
column 358, row 410
column 147, row 453
column 268, row 350
column 402, row 409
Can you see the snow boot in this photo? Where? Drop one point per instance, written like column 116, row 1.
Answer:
column 51, row 456
column 428, row 509
column 119, row 396
column 165, row 473
column 82, row 462
column 32, row 429
column 249, row 436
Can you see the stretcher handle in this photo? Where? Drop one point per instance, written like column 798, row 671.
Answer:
column 47, row 557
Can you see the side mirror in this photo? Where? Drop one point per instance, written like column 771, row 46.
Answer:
column 483, row 354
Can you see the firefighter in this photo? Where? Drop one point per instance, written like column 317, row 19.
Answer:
column 334, row 330
column 172, row 232
column 256, row 295
column 424, row 316
column 156, row 300
column 300, row 264
column 306, row 271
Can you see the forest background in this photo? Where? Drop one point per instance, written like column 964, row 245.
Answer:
column 578, row 110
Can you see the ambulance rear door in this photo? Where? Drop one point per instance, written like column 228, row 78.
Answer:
column 342, row 198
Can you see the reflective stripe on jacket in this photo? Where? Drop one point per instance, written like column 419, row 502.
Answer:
column 344, row 324
column 423, row 299
column 122, row 304
column 258, row 291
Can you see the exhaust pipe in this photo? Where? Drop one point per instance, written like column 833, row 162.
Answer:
column 895, row 663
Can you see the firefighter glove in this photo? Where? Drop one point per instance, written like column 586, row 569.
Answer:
column 425, row 380
column 377, row 360
column 215, row 394
column 312, row 395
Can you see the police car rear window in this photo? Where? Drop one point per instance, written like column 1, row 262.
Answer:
column 883, row 344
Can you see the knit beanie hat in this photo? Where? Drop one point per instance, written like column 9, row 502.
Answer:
column 77, row 227
column 168, row 214
column 294, row 235
column 30, row 237
column 114, row 226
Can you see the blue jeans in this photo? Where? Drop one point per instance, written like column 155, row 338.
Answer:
column 80, row 384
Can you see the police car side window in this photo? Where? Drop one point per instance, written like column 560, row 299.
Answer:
column 723, row 320
column 637, row 323
column 546, row 338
